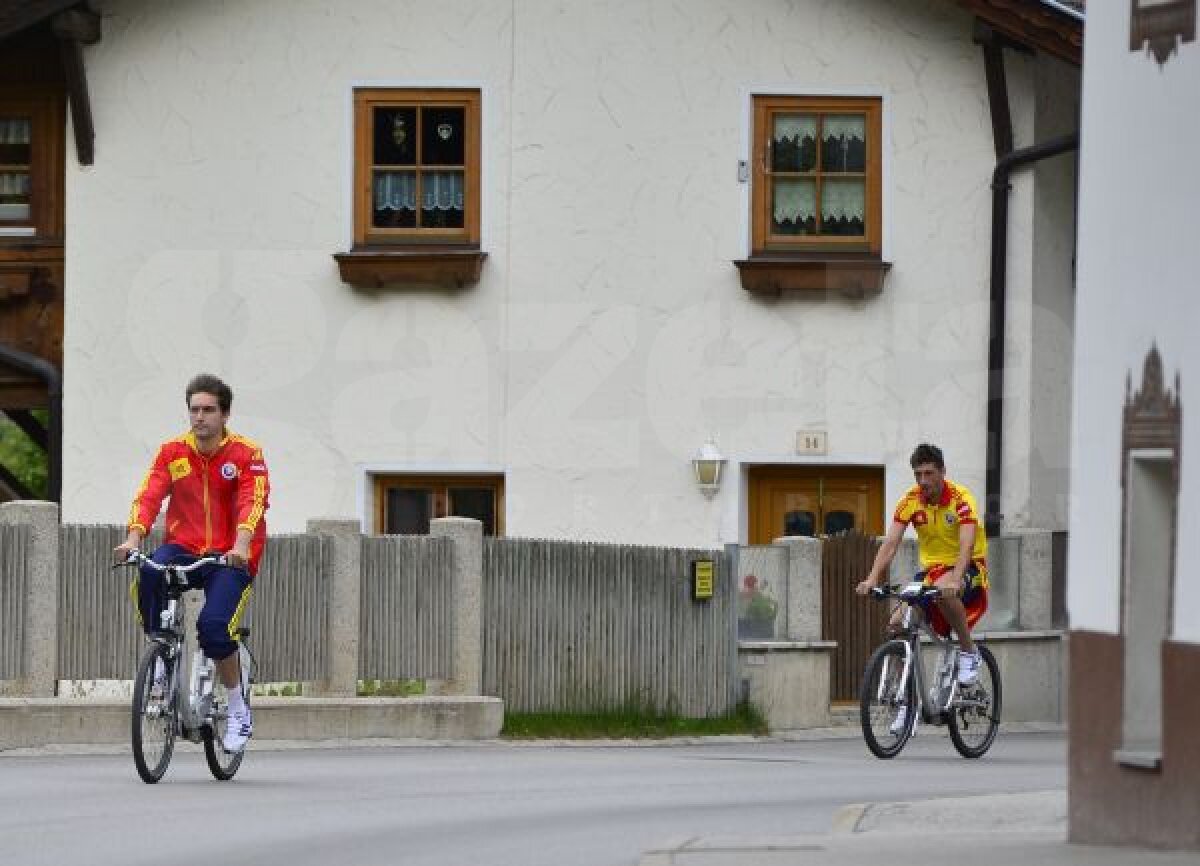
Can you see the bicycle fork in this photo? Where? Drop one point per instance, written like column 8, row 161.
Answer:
column 901, row 683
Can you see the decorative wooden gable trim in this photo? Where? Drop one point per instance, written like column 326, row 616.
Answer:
column 1160, row 27
column 1152, row 419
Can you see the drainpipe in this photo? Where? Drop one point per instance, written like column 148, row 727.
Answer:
column 49, row 374
column 1005, row 165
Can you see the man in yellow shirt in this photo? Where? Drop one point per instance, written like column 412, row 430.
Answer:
column 953, row 551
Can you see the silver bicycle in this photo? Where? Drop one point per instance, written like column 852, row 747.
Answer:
column 163, row 708
column 895, row 691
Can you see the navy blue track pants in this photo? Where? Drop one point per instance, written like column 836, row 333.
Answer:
column 226, row 593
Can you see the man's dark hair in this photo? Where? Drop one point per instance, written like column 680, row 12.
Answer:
column 926, row 453
column 206, row 383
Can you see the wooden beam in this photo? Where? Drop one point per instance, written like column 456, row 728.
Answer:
column 29, row 425
column 18, row 15
column 1034, row 24
column 81, row 104
column 14, row 484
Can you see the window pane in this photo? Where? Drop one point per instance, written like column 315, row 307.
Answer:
column 800, row 523
column 395, row 135
column 844, row 143
column 442, row 199
column 843, row 208
column 794, row 143
column 794, row 207
column 395, row 199
column 408, row 511
column 442, row 136
column 15, row 155
column 476, row 502
column 838, row 521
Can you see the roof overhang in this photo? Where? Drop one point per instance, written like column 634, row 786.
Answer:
column 18, row 15
column 1045, row 25
column 75, row 23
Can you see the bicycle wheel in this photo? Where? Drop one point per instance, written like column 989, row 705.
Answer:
column 154, row 716
column 882, row 698
column 222, row 764
column 975, row 714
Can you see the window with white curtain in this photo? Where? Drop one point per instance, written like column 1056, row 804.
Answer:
column 816, row 180
column 416, row 166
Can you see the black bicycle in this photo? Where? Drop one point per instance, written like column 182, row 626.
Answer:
column 163, row 708
column 894, row 690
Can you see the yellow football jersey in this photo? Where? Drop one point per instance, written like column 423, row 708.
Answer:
column 937, row 524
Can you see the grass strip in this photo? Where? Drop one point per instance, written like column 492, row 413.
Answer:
column 629, row 723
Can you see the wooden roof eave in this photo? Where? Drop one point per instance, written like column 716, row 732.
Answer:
column 1032, row 23
column 75, row 24
column 18, row 15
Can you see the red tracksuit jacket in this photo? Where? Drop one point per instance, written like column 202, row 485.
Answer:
column 211, row 497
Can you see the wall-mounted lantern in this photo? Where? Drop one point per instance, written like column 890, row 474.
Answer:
column 708, row 464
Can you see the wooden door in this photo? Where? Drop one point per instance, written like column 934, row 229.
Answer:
column 814, row 501
column 834, row 503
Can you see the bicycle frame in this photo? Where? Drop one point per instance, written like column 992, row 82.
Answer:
column 193, row 710
column 934, row 702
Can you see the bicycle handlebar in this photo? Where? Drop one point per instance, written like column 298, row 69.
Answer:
column 136, row 557
column 911, row 593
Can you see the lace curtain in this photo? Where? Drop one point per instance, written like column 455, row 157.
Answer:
column 14, row 184
column 845, row 199
column 14, row 130
column 843, row 147
column 795, row 128
column 397, row 190
column 795, row 201
column 843, row 206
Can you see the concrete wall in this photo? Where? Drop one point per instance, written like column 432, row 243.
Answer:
column 787, row 681
column 609, row 335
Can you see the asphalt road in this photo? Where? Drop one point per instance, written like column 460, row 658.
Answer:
column 487, row 804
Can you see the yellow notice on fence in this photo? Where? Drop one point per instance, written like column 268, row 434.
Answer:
column 702, row 579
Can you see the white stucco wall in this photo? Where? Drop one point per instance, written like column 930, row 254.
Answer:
column 1138, row 260
column 609, row 335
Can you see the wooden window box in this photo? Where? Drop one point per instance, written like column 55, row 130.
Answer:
column 373, row 268
column 854, row 276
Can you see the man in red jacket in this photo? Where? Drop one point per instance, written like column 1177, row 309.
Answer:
column 218, row 488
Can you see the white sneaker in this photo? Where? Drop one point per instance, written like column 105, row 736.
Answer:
column 900, row 722
column 968, row 667
column 238, row 729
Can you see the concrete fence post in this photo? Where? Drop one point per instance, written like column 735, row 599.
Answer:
column 467, row 603
column 40, row 606
column 906, row 563
column 803, row 587
column 1034, row 607
column 343, row 559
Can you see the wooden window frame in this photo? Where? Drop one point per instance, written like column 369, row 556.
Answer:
column 404, row 256
column 47, row 115
column 441, row 483
column 852, row 265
